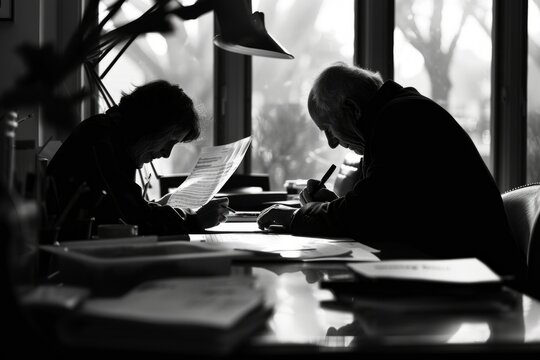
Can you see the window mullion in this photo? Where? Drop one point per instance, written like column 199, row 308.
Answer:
column 374, row 36
column 509, row 89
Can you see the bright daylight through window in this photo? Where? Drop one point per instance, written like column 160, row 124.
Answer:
column 183, row 57
column 533, row 101
column 286, row 143
column 448, row 58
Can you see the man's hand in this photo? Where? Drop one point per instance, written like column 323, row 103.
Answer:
column 275, row 215
column 322, row 195
column 213, row 212
column 163, row 200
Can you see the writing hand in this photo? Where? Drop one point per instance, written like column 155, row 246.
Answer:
column 310, row 194
column 275, row 215
column 213, row 212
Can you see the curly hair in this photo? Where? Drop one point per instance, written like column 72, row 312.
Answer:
column 159, row 107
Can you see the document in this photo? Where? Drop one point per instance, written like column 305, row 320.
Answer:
column 289, row 247
column 200, row 315
column 214, row 167
column 462, row 271
column 218, row 302
column 422, row 286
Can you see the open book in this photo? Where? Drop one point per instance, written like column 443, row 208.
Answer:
column 203, row 315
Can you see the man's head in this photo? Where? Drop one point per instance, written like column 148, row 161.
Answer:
column 336, row 103
column 155, row 117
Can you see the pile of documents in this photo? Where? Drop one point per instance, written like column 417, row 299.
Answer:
column 115, row 265
column 284, row 247
column 451, row 286
column 204, row 316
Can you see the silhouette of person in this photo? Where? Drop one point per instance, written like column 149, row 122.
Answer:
column 96, row 165
column 424, row 182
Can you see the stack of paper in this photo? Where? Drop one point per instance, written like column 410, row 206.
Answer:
column 284, row 247
column 423, row 285
column 462, row 271
column 185, row 315
column 113, row 266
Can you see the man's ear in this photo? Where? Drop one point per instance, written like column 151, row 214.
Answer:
column 352, row 109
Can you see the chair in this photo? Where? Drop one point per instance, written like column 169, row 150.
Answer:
column 522, row 206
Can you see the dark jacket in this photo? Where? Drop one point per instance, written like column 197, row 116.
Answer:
column 425, row 186
column 96, row 153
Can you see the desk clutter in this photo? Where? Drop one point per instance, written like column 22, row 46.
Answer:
column 115, row 265
column 209, row 316
column 213, row 295
column 421, row 286
column 181, row 292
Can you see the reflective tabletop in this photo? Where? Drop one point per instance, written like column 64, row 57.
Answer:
column 307, row 316
column 303, row 317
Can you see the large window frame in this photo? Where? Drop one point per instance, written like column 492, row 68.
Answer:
column 374, row 28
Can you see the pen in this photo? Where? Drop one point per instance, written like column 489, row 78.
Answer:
column 146, row 185
column 230, row 209
column 324, row 178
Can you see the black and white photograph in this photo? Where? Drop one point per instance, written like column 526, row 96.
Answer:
column 270, row 179
column 6, row 10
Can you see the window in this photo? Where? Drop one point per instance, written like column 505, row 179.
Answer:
column 286, row 143
column 533, row 102
column 443, row 49
column 184, row 57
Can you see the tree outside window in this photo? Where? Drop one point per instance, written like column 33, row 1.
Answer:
column 286, row 143
column 448, row 58
column 533, row 89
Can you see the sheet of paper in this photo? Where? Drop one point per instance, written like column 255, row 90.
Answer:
column 465, row 271
column 292, row 247
column 49, row 149
column 236, row 227
column 358, row 253
column 214, row 167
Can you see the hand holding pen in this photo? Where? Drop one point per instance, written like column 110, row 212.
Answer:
column 316, row 191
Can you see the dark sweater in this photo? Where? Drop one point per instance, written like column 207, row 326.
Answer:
column 425, row 185
column 96, row 153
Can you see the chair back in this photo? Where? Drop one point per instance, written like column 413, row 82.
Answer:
column 522, row 206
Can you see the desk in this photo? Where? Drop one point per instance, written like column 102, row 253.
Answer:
column 301, row 326
column 299, row 322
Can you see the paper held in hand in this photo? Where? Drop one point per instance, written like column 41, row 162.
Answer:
column 214, row 167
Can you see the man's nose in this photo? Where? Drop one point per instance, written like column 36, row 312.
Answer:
column 332, row 141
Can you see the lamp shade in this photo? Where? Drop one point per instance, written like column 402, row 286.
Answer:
column 245, row 33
